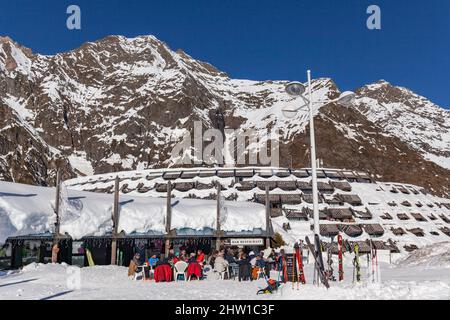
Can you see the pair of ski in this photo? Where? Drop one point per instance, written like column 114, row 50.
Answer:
column 374, row 256
column 319, row 265
column 298, row 259
column 330, row 271
column 317, row 254
column 356, row 264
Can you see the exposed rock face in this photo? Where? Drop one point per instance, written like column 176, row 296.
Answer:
column 118, row 104
column 347, row 139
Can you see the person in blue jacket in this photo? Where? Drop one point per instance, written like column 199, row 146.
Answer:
column 153, row 260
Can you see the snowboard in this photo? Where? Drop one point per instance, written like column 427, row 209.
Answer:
column 317, row 260
column 89, row 257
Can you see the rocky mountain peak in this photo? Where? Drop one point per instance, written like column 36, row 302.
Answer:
column 123, row 103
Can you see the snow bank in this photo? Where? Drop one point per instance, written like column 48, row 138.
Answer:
column 49, row 281
column 436, row 255
column 28, row 209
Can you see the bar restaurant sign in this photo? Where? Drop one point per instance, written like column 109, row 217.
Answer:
column 247, row 242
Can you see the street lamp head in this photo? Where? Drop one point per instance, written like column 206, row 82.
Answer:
column 295, row 89
column 346, row 98
column 289, row 113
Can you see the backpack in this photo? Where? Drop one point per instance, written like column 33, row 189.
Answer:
column 272, row 286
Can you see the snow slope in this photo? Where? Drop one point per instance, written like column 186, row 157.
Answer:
column 434, row 256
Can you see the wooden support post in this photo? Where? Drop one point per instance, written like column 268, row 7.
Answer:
column 55, row 248
column 57, row 203
column 115, row 219
column 168, row 216
column 267, row 217
column 218, row 208
column 167, row 248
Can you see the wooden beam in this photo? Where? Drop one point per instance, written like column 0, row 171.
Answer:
column 168, row 216
column 57, row 203
column 115, row 219
column 55, row 247
column 219, row 187
column 267, row 215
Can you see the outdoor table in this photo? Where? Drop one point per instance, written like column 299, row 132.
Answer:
column 194, row 268
column 163, row 273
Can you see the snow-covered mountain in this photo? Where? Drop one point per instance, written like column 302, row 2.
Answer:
column 399, row 111
column 120, row 104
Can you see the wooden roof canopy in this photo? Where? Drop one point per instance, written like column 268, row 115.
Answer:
column 340, row 213
column 373, row 229
column 341, row 185
column 352, row 199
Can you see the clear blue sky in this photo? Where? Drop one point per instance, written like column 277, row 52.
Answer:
column 259, row 39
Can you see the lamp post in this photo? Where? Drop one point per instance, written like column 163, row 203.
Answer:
column 297, row 89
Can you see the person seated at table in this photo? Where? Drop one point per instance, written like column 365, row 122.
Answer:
column 240, row 253
column 162, row 262
column 200, row 256
column 194, row 267
column 228, row 255
column 245, row 268
column 134, row 266
column 263, row 264
column 220, row 264
column 183, row 256
column 153, row 260
column 171, row 254
column 192, row 258
column 260, row 265
column 211, row 259
column 175, row 258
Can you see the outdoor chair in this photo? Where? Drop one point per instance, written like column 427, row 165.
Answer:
column 208, row 272
column 224, row 273
column 140, row 273
column 146, row 272
column 180, row 269
column 234, row 270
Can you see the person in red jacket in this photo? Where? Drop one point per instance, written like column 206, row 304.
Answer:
column 200, row 256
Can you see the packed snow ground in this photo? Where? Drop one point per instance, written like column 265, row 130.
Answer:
column 404, row 280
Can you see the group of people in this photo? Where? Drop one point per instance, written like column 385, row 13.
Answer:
column 155, row 261
column 246, row 266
